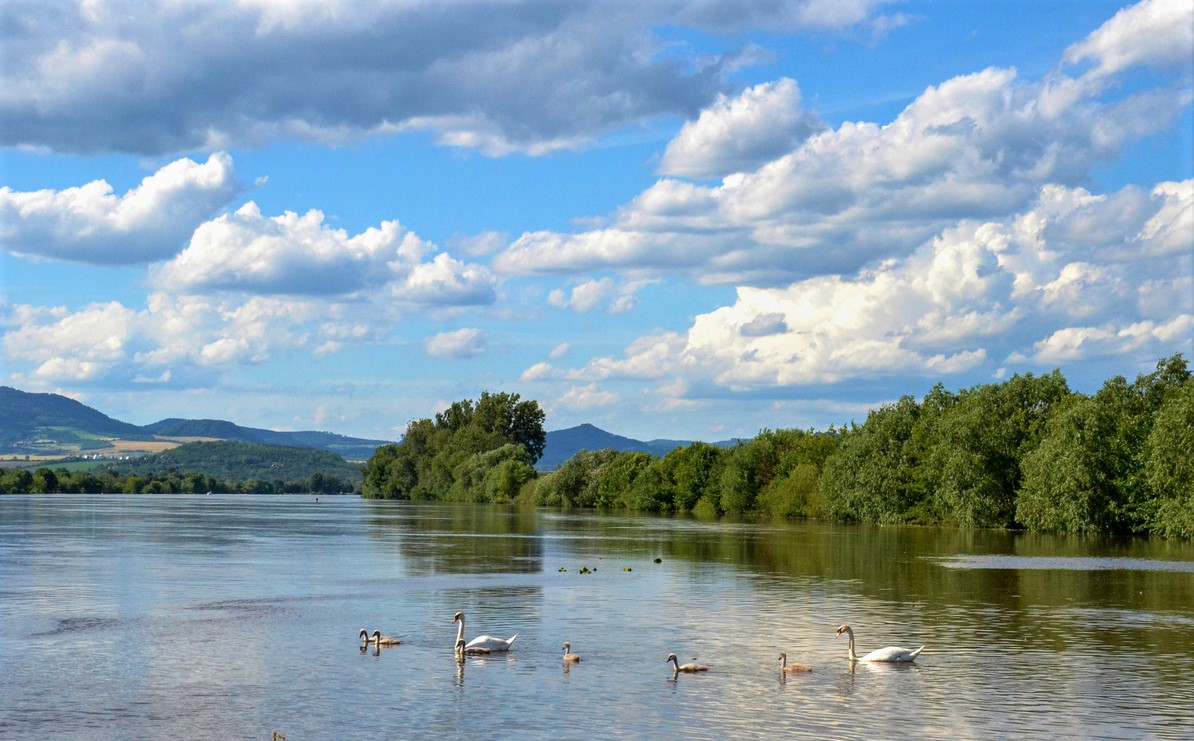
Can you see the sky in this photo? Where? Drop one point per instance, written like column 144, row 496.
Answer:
column 681, row 219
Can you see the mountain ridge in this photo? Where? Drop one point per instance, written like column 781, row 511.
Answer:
column 41, row 423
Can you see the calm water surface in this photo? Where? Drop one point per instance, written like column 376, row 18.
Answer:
column 131, row 617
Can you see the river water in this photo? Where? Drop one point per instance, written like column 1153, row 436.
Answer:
column 133, row 617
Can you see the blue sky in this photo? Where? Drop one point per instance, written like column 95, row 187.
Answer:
column 673, row 219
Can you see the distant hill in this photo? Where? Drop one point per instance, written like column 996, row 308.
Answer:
column 351, row 448
column 239, row 462
column 50, row 424
column 563, row 444
column 26, row 418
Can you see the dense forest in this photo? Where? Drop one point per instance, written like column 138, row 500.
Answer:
column 1025, row 453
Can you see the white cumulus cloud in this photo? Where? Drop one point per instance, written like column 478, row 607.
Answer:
column 1020, row 289
column 978, row 146
column 463, row 343
column 742, row 133
column 91, row 224
column 293, row 254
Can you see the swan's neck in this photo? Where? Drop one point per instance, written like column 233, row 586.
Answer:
column 783, row 662
column 853, row 656
column 460, row 631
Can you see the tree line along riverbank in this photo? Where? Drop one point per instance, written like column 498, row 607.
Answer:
column 1025, row 453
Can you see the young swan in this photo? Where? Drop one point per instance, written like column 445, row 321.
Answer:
column 381, row 640
column 787, row 668
column 686, row 668
column 568, row 655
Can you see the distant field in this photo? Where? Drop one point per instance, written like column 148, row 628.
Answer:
column 113, row 447
column 125, row 447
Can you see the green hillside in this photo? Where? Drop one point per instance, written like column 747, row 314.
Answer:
column 33, row 422
column 50, row 425
column 238, row 462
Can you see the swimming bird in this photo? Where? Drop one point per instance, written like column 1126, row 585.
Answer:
column 568, row 655
column 891, row 653
column 787, row 668
column 686, row 668
column 381, row 640
column 481, row 644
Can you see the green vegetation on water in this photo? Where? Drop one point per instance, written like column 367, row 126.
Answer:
column 1024, row 453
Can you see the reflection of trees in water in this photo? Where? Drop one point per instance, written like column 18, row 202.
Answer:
column 907, row 563
column 458, row 538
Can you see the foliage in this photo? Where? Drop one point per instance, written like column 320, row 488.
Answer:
column 875, row 475
column 239, row 462
column 1088, row 474
column 689, row 473
column 978, row 443
column 1169, row 464
column 64, row 481
column 573, row 484
column 1025, row 452
column 451, row 457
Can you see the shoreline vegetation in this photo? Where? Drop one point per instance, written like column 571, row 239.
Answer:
column 1026, row 453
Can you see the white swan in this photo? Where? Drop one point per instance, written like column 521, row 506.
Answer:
column 686, row 668
column 787, row 668
column 481, row 644
column 568, row 655
column 891, row 653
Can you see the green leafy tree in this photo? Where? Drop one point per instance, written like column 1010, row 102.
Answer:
column 978, row 443
column 874, row 476
column 492, row 476
column 44, row 481
column 433, row 454
column 1169, row 465
column 1068, row 481
column 574, row 484
column 690, row 472
column 1088, row 474
column 614, row 482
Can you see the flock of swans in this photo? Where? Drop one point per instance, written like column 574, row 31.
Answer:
column 486, row 644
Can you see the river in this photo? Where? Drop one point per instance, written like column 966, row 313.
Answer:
column 132, row 617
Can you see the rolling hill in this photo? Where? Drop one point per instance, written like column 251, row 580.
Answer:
column 563, row 444
column 240, row 461
column 52, row 425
